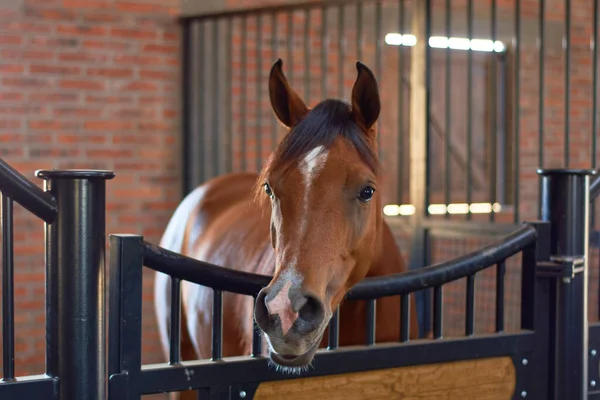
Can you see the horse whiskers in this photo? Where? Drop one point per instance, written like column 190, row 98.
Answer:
column 290, row 370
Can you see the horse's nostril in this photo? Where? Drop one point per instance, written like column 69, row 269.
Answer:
column 312, row 312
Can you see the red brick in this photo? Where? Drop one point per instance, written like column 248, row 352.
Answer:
column 133, row 33
column 140, row 86
column 145, row 8
column 11, row 68
column 54, row 69
column 158, row 48
column 110, row 72
column 83, row 57
column 10, row 39
column 108, row 125
column 81, row 84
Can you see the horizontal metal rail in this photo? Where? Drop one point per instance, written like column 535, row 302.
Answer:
column 16, row 186
column 220, row 278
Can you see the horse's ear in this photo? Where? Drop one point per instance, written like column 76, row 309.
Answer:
column 287, row 105
column 365, row 97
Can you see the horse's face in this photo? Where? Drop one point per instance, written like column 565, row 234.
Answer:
column 325, row 213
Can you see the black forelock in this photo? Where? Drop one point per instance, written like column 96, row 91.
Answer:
column 327, row 121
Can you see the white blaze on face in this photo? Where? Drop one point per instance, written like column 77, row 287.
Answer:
column 313, row 163
column 282, row 306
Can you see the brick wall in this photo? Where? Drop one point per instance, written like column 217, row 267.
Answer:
column 89, row 84
column 94, row 84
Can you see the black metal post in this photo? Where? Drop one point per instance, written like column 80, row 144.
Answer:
column 75, row 247
column 565, row 204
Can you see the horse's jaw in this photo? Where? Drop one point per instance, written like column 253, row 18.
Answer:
column 293, row 365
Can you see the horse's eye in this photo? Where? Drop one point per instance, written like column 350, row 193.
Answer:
column 268, row 190
column 366, row 194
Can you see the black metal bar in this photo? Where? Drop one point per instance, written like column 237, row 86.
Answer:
column 175, row 320
column 448, row 107
column 243, row 99
column 594, row 91
column 500, row 273
column 16, row 186
column 359, row 30
column 38, row 387
column 78, row 236
column 541, row 93
column 186, row 96
column 306, row 65
column 160, row 378
column 493, row 113
column 274, row 47
column 334, row 330
column 231, row 280
column 258, row 89
column 228, row 157
column 470, row 320
column 125, row 322
column 517, row 112
column 379, row 58
column 404, row 317
column 8, row 290
column 341, row 51
column 470, row 108
column 371, row 325
column 290, row 47
column 400, row 156
column 438, row 311
column 217, row 325
column 324, row 52
column 565, row 204
column 198, row 151
column 567, row 78
column 517, row 108
column 268, row 8
column 216, row 100
column 256, row 338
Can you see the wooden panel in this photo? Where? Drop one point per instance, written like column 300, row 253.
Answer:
column 483, row 379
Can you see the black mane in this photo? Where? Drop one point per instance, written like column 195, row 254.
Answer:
column 320, row 127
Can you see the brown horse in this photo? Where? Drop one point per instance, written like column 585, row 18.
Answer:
column 312, row 219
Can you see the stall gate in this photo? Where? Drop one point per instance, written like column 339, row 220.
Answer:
column 511, row 87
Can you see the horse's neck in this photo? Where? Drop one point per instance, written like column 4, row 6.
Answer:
column 388, row 259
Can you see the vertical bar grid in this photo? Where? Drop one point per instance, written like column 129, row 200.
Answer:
column 469, row 108
column 400, row 156
column 334, row 330
column 371, row 314
column 175, row 337
column 517, row 108
column 470, row 320
column 258, row 89
column 8, row 295
column 217, row 325
column 437, row 311
column 567, row 78
column 404, row 317
column 541, row 95
column 493, row 114
column 500, row 272
column 448, row 112
column 243, row 100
